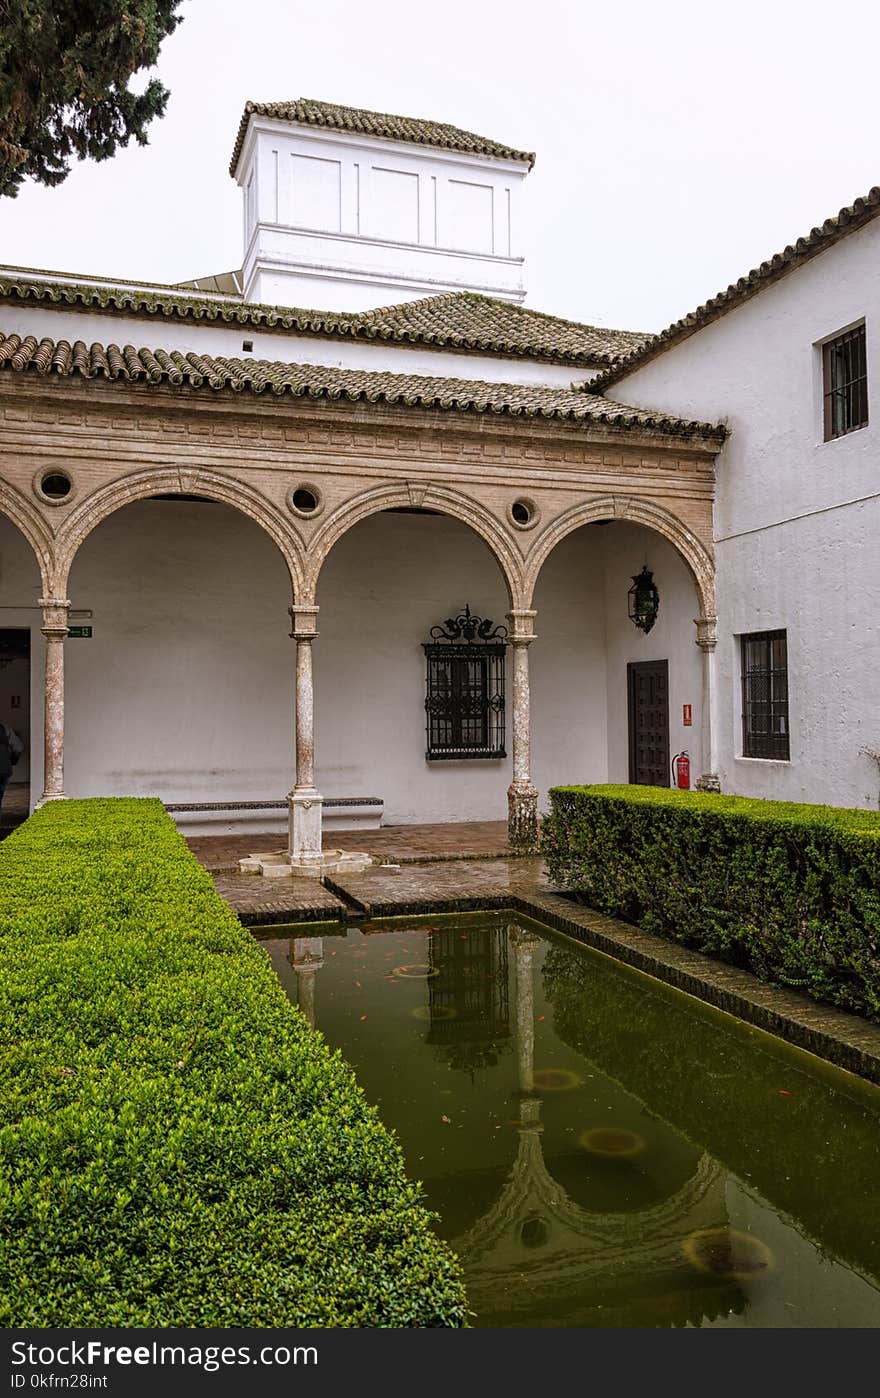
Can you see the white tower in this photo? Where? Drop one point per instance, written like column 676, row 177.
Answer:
column 347, row 210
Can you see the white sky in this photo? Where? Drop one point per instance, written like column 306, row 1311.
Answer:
column 679, row 142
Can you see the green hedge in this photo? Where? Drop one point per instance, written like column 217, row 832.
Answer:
column 178, row 1147
column 791, row 892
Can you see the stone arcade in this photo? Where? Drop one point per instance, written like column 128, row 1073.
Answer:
column 420, row 446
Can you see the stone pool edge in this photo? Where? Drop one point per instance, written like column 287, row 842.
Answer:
column 833, row 1035
column 843, row 1039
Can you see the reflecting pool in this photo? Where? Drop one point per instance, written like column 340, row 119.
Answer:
column 601, row 1149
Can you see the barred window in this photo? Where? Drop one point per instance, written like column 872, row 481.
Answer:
column 846, row 383
column 765, row 695
column 464, row 703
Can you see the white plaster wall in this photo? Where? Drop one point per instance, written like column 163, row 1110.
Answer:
column 818, row 578
column 797, row 518
column 383, row 587
column 19, row 591
column 227, row 340
column 627, row 547
column 352, row 222
column 568, row 672
column 186, row 689
column 393, row 576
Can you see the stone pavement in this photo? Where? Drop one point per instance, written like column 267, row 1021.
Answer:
column 261, row 901
column 481, row 839
column 459, row 885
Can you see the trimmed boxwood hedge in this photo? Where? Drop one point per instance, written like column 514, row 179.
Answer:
column 178, row 1147
column 792, row 892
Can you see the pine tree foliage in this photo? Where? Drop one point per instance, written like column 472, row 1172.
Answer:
column 65, row 67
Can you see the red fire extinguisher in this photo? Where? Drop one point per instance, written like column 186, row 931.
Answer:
column 681, row 771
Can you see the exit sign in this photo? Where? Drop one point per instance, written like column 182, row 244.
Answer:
column 79, row 633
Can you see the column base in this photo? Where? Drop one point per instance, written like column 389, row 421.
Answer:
column 304, row 826
column 709, row 782
column 328, row 861
column 522, row 816
column 49, row 796
column 304, row 857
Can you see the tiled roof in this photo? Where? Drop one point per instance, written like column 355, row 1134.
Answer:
column 416, row 130
column 125, row 364
column 485, row 323
column 818, row 240
column 460, row 320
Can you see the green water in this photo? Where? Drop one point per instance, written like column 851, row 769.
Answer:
column 602, row 1150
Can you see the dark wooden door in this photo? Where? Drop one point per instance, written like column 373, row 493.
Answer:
column 648, row 686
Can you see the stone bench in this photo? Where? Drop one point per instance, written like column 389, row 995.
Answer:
column 270, row 817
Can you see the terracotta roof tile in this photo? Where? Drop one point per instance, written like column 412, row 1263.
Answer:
column 462, row 321
column 417, row 130
column 58, row 357
column 818, row 240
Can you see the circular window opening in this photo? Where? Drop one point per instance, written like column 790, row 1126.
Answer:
column 305, row 500
column 524, row 513
column 56, row 485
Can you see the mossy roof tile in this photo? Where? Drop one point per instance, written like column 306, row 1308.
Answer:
column 464, row 321
column 309, row 111
column 49, row 358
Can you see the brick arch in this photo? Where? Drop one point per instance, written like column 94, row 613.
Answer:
column 695, row 554
column 432, row 497
column 147, row 484
column 30, row 523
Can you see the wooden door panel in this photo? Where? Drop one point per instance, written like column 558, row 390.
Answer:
column 648, row 704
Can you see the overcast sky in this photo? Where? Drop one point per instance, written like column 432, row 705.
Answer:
column 679, row 143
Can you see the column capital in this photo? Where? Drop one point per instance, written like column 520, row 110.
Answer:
column 55, row 610
column 707, row 632
column 522, row 626
column 304, row 622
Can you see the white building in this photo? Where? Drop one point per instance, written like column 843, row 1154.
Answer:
column 419, row 444
column 788, row 358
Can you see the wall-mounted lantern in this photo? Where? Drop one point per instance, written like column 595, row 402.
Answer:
column 644, row 600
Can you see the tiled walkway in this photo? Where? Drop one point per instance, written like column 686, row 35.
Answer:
column 465, row 839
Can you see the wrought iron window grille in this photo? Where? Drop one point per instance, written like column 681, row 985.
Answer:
column 765, row 695
column 845, row 372
column 464, row 701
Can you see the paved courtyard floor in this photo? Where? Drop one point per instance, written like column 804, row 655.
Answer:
column 464, row 839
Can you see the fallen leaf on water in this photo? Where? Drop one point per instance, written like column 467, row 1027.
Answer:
column 447, row 1120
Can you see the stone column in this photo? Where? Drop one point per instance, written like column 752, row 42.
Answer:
column 522, row 796
column 54, row 628
column 304, row 802
column 707, row 638
column 306, row 958
column 523, row 945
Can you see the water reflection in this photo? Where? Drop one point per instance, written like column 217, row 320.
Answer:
column 306, row 956
column 468, row 1001
column 593, row 1142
